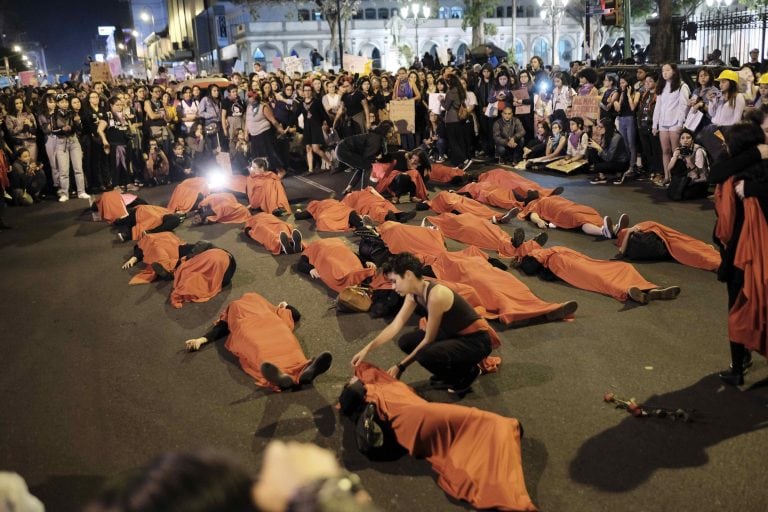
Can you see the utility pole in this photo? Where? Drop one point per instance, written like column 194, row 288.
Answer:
column 627, row 32
column 587, row 31
column 341, row 36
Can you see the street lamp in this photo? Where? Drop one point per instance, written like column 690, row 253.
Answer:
column 17, row 48
column 417, row 10
column 554, row 10
column 147, row 17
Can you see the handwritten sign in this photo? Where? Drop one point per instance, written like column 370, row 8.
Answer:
column 356, row 64
column 435, row 102
column 115, row 67
column 27, row 78
column 403, row 114
column 292, row 65
column 100, row 72
column 586, row 107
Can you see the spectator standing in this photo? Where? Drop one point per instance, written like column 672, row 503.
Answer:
column 672, row 95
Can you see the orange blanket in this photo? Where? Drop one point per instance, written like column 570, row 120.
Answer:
column 748, row 318
column 475, row 453
column 502, row 293
column 337, row 265
column 683, row 248
column 112, row 206
column 475, row 231
column 612, row 278
column 330, row 215
column 448, row 202
column 490, row 193
column 147, row 217
column 562, row 212
column 444, row 173
column 260, row 332
column 424, row 243
column 514, row 182
column 421, row 190
column 162, row 248
column 226, row 209
column 266, row 192
column 185, row 194
column 198, row 279
column 367, row 202
column 265, row 228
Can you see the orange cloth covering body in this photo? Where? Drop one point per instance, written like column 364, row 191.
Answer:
column 266, row 192
column 185, row 194
column 448, row 202
column 237, row 183
column 475, row 231
column 260, row 332
column 514, row 182
column 683, row 248
column 198, row 279
column 748, row 317
column 562, row 212
column 612, row 278
column 493, row 194
column 330, row 215
column 367, row 202
column 337, row 265
column 265, row 228
column 502, row 294
column 475, row 453
column 112, row 206
column 444, row 173
column 424, row 243
column 226, row 209
column 162, row 248
column 147, row 217
column 725, row 207
column 421, row 190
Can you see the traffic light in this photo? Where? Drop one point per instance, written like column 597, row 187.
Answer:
column 616, row 17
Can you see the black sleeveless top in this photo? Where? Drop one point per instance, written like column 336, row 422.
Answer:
column 457, row 318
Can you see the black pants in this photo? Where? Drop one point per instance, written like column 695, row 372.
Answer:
column 355, row 220
column 449, row 359
column 457, row 150
column 650, row 151
column 125, row 225
column 603, row 167
column 401, row 185
column 486, row 133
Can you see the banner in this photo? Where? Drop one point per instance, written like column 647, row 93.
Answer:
column 403, row 114
column 115, row 67
column 100, row 72
column 27, row 78
column 586, row 107
column 356, row 64
column 436, row 102
column 292, row 65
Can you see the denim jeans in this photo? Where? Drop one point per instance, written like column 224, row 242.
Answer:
column 68, row 150
column 628, row 130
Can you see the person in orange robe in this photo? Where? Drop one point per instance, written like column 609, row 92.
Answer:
column 221, row 207
column 491, row 193
column 187, row 194
column 424, row 243
column 523, row 188
column 615, row 279
column 333, row 262
column 332, row 215
column 653, row 241
column 479, row 232
column 201, row 276
column 451, row 202
column 559, row 212
column 502, row 294
column 476, row 453
column 441, row 173
column 113, row 205
column 265, row 190
column 369, row 202
column 156, row 250
column 400, row 183
column 145, row 219
column 261, row 336
column 276, row 235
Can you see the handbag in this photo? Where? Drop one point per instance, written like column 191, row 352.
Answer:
column 463, row 113
column 354, row 299
column 212, row 128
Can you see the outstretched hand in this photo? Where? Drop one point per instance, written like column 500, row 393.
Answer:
column 194, row 344
column 314, row 274
column 395, row 372
column 359, row 357
column 131, row 262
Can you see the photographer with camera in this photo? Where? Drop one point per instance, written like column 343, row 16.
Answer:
column 689, row 169
column 27, row 179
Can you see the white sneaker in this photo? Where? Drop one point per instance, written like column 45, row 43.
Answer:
column 63, row 198
column 83, row 195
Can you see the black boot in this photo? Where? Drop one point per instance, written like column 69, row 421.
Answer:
column 734, row 376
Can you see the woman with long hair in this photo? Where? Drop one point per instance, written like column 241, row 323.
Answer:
column 672, row 95
column 21, row 127
column 453, row 101
column 210, row 113
column 95, row 162
column 705, row 84
column 65, row 125
column 521, row 105
column 311, row 108
column 727, row 107
column 624, row 105
column 607, row 153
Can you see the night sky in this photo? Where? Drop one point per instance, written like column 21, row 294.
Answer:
column 66, row 29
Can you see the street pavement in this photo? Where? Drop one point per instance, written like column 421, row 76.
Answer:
column 95, row 380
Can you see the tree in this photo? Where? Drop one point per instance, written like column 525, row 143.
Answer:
column 475, row 12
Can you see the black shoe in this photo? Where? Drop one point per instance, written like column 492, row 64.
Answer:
column 518, row 237
column 161, row 273
column 668, row 293
column 404, row 217
column 557, row 191
column 317, row 367
column 296, row 239
column 279, row 212
column 563, row 311
column 732, row 378
column 507, row 217
column 746, row 362
column 531, row 195
column 276, row 376
column 465, row 384
column 422, row 206
column 541, row 238
column 286, row 244
column 622, row 224
column 637, row 295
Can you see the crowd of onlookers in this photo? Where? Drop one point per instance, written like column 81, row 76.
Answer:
column 128, row 134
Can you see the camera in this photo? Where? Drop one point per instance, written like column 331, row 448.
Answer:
column 685, row 151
